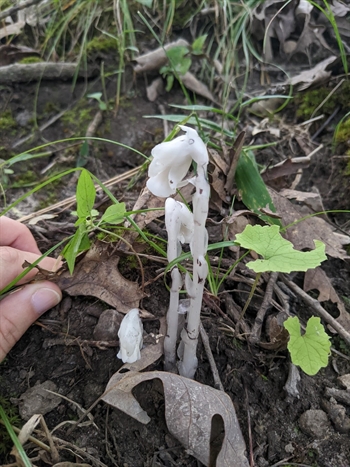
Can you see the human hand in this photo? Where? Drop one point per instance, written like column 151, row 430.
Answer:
column 18, row 310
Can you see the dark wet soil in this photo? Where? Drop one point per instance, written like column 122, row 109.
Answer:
column 253, row 377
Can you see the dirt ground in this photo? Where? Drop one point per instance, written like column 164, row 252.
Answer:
column 252, row 376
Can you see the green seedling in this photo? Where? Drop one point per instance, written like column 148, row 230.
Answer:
column 311, row 350
column 180, row 60
column 88, row 218
column 98, row 96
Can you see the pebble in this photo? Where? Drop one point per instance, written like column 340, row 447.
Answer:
column 314, row 423
column 108, row 326
column 37, row 400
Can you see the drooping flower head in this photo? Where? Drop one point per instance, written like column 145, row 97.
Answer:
column 179, row 224
column 171, row 161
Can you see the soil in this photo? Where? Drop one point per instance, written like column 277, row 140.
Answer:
column 253, row 377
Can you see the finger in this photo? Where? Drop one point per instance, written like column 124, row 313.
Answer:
column 11, row 261
column 17, row 235
column 20, row 309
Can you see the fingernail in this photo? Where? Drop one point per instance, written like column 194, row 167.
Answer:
column 44, row 299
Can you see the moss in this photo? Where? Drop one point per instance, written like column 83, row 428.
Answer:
column 77, row 119
column 8, row 123
column 342, row 135
column 101, row 44
column 308, row 101
column 28, row 60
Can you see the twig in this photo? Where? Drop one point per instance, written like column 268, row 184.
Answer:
column 214, row 369
column 266, row 303
column 318, row 308
column 234, row 313
column 251, row 452
column 10, row 11
column 102, row 345
column 71, row 200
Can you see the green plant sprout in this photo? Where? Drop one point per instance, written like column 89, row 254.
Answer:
column 311, row 350
column 98, row 96
column 180, row 60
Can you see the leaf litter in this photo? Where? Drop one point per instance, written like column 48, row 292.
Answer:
column 190, row 411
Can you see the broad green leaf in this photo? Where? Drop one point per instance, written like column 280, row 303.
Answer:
column 278, row 253
column 83, row 154
column 311, row 350
column 114, row 214
column 86, row 194
column 178, row 59
column 80, row 242
column 252, row 187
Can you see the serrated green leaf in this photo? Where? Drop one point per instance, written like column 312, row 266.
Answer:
column 311, row 350
column 86, row 194
column 278, row 253
column 114, row 214
column 252, row 187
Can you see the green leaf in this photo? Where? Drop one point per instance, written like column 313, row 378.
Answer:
column 197, row 45
column 86, row 194
column 311, row 350
column 147, row 3
column 278, row 253
column 80, row 242
column 252, row 187
column 178, row 59
column 83, row 154
column 169, row 82
column 114, row 214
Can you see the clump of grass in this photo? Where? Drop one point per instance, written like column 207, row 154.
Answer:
column 8, row 123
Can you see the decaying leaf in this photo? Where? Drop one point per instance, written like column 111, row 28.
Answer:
column 155, row 89
column 317, row 279
column 303, row 233
column 278, row 336
column 311, row 199
column 190, row 411
column 97, row 275
column 285, row 168
column 316, row 74
column 193, row 84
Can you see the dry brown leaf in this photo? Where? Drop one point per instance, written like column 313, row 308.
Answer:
column 278, row 336
column 315, row 75
column 155, row 89
column 318, row 279
column 311, row 199
column 190, row 408
column 305, row 232
column 97, row 275
column 193, row 84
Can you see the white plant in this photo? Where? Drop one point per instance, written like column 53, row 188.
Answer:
column 179, row 225
column 130, row 337
column 170, row 164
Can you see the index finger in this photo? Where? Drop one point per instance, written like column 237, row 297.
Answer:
column 17, row 235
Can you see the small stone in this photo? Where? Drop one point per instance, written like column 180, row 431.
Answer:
column 289, row 448
column 23, row 118
column 345, row 381
column 108, row 326
column 37, row 400
column 314, row 423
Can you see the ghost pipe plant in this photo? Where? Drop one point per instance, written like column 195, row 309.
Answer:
column 179, row 225
column 170, row 164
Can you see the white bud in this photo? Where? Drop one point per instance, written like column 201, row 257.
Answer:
column 130, row 337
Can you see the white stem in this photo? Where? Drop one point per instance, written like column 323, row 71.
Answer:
column 172, row 321
column 189, row 363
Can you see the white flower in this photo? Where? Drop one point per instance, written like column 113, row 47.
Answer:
column 171, row 161
column 179, row 224
column 130, row 337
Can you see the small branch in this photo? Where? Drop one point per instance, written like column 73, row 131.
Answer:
column 319, row 310
column 266, row 303
column 205, row 339
column 13, row 9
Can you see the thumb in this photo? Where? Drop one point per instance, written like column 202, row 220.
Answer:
column 20, row 309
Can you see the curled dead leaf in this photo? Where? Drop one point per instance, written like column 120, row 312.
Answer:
column 97, row 275
column 191, row 411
